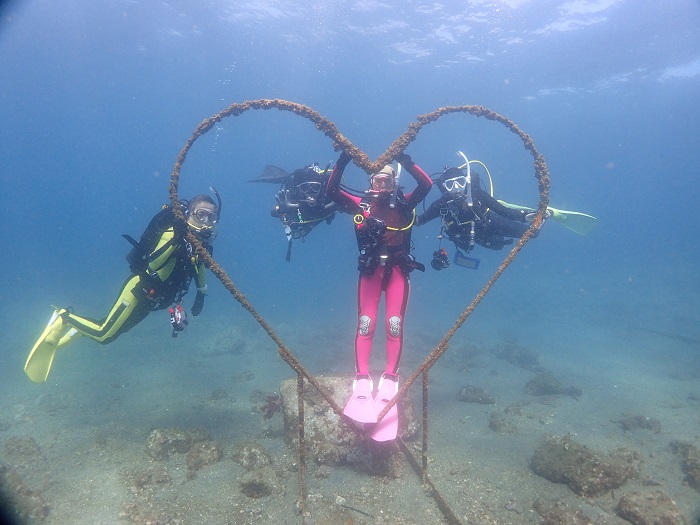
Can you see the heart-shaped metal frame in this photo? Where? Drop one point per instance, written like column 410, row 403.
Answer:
column 361, row 159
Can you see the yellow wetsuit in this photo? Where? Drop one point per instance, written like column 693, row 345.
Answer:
column 161, row 280
column 170, row 268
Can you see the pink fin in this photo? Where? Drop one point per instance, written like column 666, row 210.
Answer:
column 388, row 427
column 360, row 406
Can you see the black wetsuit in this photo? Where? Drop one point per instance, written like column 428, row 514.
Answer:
column 301, row 212
column 494, row 224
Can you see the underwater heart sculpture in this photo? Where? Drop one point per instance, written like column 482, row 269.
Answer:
column 361, row 160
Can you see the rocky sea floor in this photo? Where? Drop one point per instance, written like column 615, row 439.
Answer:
column 206, row 434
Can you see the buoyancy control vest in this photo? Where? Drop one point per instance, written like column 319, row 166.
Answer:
column 383, row 233
column 164, row 263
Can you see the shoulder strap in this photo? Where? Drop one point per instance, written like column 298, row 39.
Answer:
column 129, row 238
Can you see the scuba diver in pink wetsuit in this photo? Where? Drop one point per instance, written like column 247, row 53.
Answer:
column 383, row 219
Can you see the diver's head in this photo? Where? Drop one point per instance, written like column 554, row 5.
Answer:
column 453, row 181
column 202, row 216
column 308, row 184
column 384, row 180
column 309, row 191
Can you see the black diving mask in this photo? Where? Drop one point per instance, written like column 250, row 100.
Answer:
column 310, row 188
column 206, row 216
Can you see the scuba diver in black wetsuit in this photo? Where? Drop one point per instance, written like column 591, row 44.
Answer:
column 302, row 203
column 162, row 264
column 470, row 216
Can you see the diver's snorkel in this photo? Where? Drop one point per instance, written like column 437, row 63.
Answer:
column 394, row 194
column 470, row 201
column 218, row 198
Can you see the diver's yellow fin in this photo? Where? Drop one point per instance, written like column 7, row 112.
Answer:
column 41, row 357
column 575, row 221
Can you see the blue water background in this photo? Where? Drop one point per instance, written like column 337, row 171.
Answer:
column 97, row 99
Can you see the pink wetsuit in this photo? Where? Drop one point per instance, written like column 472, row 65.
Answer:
column 392, row 249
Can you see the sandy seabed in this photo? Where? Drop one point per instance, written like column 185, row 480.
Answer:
column 75, row 448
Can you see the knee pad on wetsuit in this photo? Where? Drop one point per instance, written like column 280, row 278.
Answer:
column 364, row 325
column 394, row 325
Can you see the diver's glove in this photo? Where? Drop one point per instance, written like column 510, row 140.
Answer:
column 198, row 303
column 404, row 159
column 344, row 159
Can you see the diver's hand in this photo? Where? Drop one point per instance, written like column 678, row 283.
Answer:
column 344, row 159
column 198, row 304
column 404, row 159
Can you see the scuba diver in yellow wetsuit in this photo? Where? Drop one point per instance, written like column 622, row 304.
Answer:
column 162, row 267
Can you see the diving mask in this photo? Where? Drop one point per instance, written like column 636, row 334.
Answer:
column 455, row 183
column 309, row 188
column 202, row 221
column 382, row 182
column 205, row 216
